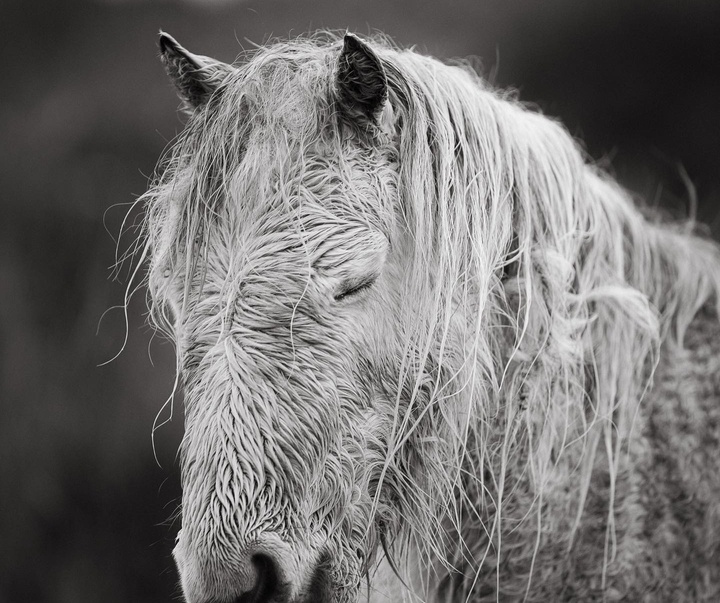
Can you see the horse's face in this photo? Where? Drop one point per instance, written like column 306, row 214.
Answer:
column 284, row 307
column 286, row 350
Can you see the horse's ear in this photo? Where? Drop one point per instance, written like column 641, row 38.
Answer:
column 196, row 77
column 361, row 82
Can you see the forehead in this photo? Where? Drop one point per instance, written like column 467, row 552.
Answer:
column 285, row 91
column 272, row 137
column 267, row 163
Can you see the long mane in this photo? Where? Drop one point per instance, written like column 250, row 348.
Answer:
column 567, row 289
column 536, row 302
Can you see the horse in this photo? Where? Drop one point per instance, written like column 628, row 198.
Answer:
column 429, row 351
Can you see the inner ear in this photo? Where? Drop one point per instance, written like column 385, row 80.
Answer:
column 361, row 82
column 196, row 77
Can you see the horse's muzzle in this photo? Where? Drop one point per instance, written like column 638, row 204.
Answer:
column 267, row 571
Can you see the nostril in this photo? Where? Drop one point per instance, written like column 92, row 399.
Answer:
column 267, row 582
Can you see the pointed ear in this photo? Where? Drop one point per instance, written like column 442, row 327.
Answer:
column 196, row 77
column 361, row 83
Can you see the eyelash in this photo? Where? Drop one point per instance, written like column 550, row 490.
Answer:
column 354, row 289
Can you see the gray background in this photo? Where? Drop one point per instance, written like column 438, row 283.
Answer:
column 86, row 110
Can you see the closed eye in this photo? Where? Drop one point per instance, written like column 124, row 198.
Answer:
column 350, row 289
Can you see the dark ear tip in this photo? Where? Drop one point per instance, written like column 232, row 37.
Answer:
column 167, row 42
column 351, row 42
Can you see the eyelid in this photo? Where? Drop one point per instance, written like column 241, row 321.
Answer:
column 351, row 288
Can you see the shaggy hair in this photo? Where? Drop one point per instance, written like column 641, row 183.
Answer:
column 541, row 428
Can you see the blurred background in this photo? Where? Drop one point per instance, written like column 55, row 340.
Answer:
column 86, row 110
